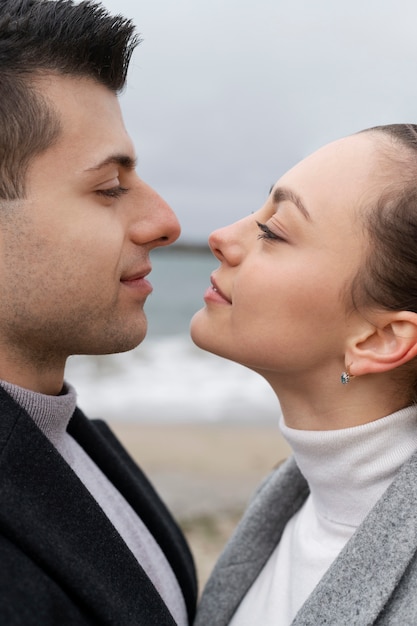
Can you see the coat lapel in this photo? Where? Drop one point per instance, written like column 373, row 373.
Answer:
column 102, row 446
column 49, row 514
column 360, row 582
column 251, row 545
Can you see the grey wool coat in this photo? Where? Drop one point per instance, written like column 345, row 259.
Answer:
column 373, row 580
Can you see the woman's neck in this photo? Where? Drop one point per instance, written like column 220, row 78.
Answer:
column 328, row 404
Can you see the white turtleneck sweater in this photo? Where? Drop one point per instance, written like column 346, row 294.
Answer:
column 52, row 415
column 347, row 471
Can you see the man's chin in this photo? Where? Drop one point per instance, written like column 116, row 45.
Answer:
column 129, row 343
column 115, row 344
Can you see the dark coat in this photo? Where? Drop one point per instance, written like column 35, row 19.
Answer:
column 61, row 560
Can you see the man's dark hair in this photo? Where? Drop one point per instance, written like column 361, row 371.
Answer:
column 40, row 37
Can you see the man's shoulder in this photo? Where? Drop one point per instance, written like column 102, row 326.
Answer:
column 29, row 594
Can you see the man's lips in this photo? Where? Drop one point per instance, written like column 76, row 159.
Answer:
column 133, row 275
column 137, row 280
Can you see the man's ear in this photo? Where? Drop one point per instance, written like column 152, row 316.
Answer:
column 384, row 346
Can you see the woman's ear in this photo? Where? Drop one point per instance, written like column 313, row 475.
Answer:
column 385, row 344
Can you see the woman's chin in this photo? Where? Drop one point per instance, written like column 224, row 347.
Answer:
column 197, row 328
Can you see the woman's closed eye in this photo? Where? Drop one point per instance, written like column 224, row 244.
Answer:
column 267, row 233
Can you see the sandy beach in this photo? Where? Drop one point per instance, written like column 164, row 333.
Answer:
column 206, row 474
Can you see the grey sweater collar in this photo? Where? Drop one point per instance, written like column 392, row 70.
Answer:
column 50, row 413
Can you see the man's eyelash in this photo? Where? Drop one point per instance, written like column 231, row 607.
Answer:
column 113, row 192
column 266, row 232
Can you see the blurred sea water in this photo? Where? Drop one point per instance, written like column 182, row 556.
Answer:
column 167, row 378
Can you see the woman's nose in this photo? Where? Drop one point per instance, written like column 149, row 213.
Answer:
column 228, row 243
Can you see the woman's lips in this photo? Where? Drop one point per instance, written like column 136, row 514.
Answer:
column 215, row 294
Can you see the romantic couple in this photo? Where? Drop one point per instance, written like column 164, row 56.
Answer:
column 316, row 291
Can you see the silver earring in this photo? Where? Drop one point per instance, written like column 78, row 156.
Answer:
column 346, row 377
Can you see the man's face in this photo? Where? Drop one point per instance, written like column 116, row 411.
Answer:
column 75, row 252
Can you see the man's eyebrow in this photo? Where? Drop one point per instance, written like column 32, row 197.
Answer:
column 121, row 160
column 280, row 194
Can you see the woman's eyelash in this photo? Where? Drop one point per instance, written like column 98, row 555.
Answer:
column 113, row 192
column 267, row 232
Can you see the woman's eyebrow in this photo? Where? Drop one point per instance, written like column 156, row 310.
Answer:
column 280, row 194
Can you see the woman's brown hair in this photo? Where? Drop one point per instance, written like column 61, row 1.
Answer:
column 388, row 276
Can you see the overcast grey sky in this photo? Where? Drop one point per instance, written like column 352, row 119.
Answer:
column 225, row 95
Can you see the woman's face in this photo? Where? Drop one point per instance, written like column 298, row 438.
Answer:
column 278, row 301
